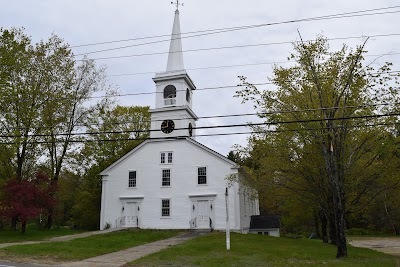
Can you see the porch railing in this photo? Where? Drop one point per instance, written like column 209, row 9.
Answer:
column 169, row 101
column 193, row 222
column 127, row 221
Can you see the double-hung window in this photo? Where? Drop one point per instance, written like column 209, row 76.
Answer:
column 166, row 177
column 132, row 179
column 166, row 157
column 165, row 207
column 202, row 175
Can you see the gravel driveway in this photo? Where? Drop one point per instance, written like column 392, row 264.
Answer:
column 388, row 245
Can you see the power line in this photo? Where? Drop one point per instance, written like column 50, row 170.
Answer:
column 235, row 65
column 239, row 46
column 197, row 89
column 375, row 116
column 233, row 115
column 204, row 68
column 237, row 27
column 230, row 29
column 199, row 135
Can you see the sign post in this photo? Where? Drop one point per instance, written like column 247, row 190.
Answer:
column 228, row 238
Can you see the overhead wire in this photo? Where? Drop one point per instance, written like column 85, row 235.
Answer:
column 237, row 46
column 374, row 116
column 197, row 89
column 234, row 65
column 264, row 131
column 218, row 29
column 230, row 29
column 261, row 114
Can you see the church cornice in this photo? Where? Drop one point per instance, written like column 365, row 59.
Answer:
column 174, row 75
column 177, row 108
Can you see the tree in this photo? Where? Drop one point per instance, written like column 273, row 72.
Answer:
column 26, row 199
column 21, row 101
column 323, row 135
column 114, row 133
column 45, row 97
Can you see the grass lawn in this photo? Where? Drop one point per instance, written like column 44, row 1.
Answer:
column 87, row 247
column 33, row 234
column 257, row 250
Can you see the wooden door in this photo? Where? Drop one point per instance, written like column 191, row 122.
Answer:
column 131, row 214
column 203, row 214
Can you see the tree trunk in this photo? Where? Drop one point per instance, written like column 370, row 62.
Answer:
column 338, row 208
column 324, row 227
column 23, row 228
column 396, row 231
column 14, row 221
column 50, row 219
column 316, row 223
column 332, row 229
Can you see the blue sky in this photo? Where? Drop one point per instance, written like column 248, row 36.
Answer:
column 83, row 22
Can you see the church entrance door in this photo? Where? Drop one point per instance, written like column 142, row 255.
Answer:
column 131, row 218
column 203, row 214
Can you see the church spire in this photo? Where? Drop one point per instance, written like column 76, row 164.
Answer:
column 175, row 56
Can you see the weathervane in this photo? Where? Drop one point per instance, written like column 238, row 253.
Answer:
column 177, row 4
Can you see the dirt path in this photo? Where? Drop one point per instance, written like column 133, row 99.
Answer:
column 388, row 245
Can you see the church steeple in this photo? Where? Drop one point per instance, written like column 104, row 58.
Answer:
column 175, row 57
column 173, row 115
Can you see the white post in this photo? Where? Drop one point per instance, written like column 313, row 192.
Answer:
column 228, row 238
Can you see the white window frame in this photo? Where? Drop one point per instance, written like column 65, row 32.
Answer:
column 162, row 157
column 169, row 157
column 168, row 209
column 198, row 175
column 134, row 180
column 162, row 177
column 166, row 157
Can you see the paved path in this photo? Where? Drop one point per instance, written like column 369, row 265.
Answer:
column 120, row 258
column 388, row 245
column 62, row 238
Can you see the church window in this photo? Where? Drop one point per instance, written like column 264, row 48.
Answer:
column 166, row 157
column 166, row 177
column 202, row 175
column 165, row 207
column 169, row 95
column 187, row 95
column 132, row 179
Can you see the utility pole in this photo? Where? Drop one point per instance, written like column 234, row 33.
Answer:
column 228, row 237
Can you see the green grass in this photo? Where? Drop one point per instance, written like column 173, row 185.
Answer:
column 87, row 247
column 34, row 234
column 257, row 250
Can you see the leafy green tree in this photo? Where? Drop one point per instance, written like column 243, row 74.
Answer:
column 323, row 138
column 45, row 97
column 21, row 101
column 114, row 133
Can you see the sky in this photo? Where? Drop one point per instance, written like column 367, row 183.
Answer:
column 254, row 51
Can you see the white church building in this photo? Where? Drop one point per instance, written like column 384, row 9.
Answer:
column 171, row 181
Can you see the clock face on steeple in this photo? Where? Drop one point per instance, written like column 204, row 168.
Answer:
column 167, row 126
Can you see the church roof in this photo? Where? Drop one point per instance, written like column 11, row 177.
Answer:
column 203, row 147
